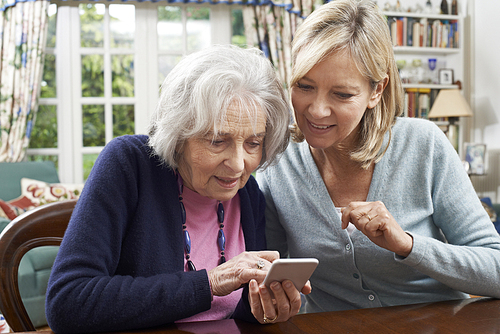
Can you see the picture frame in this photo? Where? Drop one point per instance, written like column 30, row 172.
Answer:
column 475, row 157
column 446, row 76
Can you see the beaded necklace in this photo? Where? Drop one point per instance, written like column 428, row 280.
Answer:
column 221, row 238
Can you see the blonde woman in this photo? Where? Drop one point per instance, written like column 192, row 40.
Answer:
column 383, row 202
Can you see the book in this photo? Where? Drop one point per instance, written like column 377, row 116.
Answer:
column 400, row 32
column 409, row 32
column 394, row 31
column 416, row 34
column 424, row 32
column 424, row 103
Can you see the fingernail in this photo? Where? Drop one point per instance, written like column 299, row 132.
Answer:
column 253, row 284
column 275, row 286
column 288, row 284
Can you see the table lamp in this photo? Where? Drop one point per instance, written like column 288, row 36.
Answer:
column 451, row 104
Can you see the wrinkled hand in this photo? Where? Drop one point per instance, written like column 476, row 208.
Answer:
column 242, row 268
column 374, row 220
column 285, row 304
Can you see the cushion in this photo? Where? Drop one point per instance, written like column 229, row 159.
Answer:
column 15, row 207
column 36, row 193
column 39, row 192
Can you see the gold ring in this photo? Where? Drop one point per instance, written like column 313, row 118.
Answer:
column 260, row 265
column 368, row 216
column 268, row 321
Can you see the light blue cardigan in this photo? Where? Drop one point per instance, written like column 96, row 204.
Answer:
column 423, row 184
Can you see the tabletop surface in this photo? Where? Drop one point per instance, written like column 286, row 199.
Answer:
column 475, row 315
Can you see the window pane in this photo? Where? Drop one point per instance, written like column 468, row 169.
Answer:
column 48, row 84
column 238, row 33
column 123, row 120
column 92, row 25
column 123, row 75
column 88, row 163
column 53, row 158
column 198, row 28
column 169, row 29
column 92, row 76
column 165, row 65
column 93, row 125
column 51, row 30
column 44, row 132
column 122, row 25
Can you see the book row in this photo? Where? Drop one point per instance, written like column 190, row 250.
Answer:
column 408, row 31
column 419, row 101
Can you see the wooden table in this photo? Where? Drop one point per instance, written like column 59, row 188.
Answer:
column 475, row 315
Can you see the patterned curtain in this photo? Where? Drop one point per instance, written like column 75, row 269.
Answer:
column 23, row 31
column 270, row 27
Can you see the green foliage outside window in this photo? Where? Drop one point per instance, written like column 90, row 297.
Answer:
column 93, row 125
column 169, row 13
column 92, row 76
column 88, row 163
column 238, row 37
column 44, row 134
column 195, row 13
column 123, row 120
column 122, row 75
column 48, row 85
column 91, row 25
column 51, row 28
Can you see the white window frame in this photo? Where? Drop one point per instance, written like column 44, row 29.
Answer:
column 70, row 148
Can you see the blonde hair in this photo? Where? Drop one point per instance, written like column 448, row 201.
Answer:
column 356, row 27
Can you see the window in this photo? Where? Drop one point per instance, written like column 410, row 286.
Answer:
column 104, row 64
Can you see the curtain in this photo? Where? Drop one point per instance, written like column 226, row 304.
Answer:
column 23, row 31
column 270, row 27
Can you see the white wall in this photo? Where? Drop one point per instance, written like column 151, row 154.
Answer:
column 485, row 94
column 482, row 79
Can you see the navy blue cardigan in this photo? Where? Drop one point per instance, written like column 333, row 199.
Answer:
column 120, row 265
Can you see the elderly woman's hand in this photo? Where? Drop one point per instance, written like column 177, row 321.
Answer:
column 376, row 222
column 242, row 268
column 285, row 304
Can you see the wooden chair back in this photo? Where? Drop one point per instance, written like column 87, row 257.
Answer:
column 42, row 226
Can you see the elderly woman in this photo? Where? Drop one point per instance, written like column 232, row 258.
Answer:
column 411, row 228
column 171, row 225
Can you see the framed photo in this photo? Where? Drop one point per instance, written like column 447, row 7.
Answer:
column 475, row 156
column 446, row 76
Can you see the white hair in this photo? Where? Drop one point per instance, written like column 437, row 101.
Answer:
column 195, row 96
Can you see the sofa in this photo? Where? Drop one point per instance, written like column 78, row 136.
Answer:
column 35, row 267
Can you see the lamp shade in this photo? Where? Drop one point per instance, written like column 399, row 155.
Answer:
column 450, row 103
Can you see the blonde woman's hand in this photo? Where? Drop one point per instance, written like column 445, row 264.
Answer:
column 375, row 221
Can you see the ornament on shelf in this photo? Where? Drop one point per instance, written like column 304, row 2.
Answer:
column 428, row 7
column 444, row 7
column 454, row 7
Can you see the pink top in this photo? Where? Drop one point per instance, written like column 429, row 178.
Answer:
column 203, row 228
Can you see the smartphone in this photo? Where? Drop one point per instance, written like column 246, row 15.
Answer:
column 297, row 270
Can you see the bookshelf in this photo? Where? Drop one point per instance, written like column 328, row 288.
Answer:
column 417, row 38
